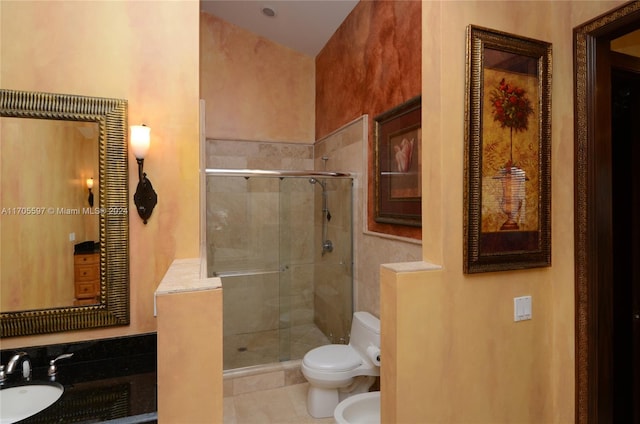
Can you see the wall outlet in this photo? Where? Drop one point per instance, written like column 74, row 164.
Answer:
column 521, row 308
column 72, row 236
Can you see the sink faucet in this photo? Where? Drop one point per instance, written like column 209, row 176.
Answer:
column 15, row 360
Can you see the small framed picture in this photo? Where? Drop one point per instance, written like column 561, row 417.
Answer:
column 398, row 165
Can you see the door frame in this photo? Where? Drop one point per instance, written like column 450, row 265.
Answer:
column 592, row 204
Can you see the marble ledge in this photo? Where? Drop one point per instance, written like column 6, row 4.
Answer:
column 183, row 276
column 417, row 266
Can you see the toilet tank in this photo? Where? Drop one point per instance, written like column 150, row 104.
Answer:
column 365, row 331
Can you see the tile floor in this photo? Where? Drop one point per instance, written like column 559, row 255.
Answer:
column 282, row 405
column 275, row 393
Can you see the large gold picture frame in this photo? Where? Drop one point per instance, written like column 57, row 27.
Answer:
column 110, row 115
column 507, row 176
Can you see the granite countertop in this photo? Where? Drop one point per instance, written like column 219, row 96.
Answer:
column 111, row 380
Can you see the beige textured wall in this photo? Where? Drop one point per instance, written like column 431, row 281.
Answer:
column 455, row 336
column 254, row 89
column 147, row 53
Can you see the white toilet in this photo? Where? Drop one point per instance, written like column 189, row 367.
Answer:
column 337, row 371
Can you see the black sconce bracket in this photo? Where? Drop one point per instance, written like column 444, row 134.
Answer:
column 145, row 197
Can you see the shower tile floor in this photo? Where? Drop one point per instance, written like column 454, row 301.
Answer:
column 245, row 350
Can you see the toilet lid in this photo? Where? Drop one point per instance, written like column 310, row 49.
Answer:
column 334, row 357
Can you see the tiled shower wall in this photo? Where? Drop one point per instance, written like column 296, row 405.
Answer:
column 341, row 151
column 236, row 154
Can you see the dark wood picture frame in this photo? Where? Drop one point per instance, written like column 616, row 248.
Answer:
column 398, row 165
column 507, row 175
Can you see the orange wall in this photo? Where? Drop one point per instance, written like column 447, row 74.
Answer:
column 147, row 53
column 254, row 89
column 370, row 65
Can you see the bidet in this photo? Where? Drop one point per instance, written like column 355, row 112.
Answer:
column 363, row 408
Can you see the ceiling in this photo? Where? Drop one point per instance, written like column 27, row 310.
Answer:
column 628, row 44
column 302, row 25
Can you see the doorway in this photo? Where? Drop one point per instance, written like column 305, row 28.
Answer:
column 606, row 221
column 625, row 153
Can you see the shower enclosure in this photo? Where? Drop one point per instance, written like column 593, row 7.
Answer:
column 281, row 241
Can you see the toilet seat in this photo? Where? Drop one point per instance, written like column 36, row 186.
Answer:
column 333, row 358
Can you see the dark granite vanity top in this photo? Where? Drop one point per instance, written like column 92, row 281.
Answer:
column 108, row 380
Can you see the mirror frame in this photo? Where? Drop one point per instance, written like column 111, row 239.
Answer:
column 111, row 117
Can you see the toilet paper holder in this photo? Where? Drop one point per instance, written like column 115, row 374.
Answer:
column 373, row 353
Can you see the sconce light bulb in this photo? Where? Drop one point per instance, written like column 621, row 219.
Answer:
column 140, row 140
column 90, row 186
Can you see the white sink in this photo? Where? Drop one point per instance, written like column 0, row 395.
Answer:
column 20, row 402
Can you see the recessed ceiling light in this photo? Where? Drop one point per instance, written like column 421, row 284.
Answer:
column 268, row 11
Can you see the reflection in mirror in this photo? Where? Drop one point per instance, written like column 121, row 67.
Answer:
column 64, row 262
column 47, row 214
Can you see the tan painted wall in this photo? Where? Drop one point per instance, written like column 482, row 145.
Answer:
column 190, row 356
column 457, row 353
column 147, row 53
column 254, row 89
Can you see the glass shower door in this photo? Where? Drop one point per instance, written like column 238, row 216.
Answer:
column 296, row 265
column 316, row 258
column 283, row 249
column 242, row 249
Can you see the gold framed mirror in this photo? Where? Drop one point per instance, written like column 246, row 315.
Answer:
column 106, row 119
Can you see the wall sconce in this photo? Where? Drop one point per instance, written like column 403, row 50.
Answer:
column 144, row 198
column 90, row 186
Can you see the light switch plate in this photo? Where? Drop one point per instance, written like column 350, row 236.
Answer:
column 521, row 308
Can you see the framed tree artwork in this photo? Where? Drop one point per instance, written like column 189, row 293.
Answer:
column 507, row 177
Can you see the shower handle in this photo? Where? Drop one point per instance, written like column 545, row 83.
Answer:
column 327, row 245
